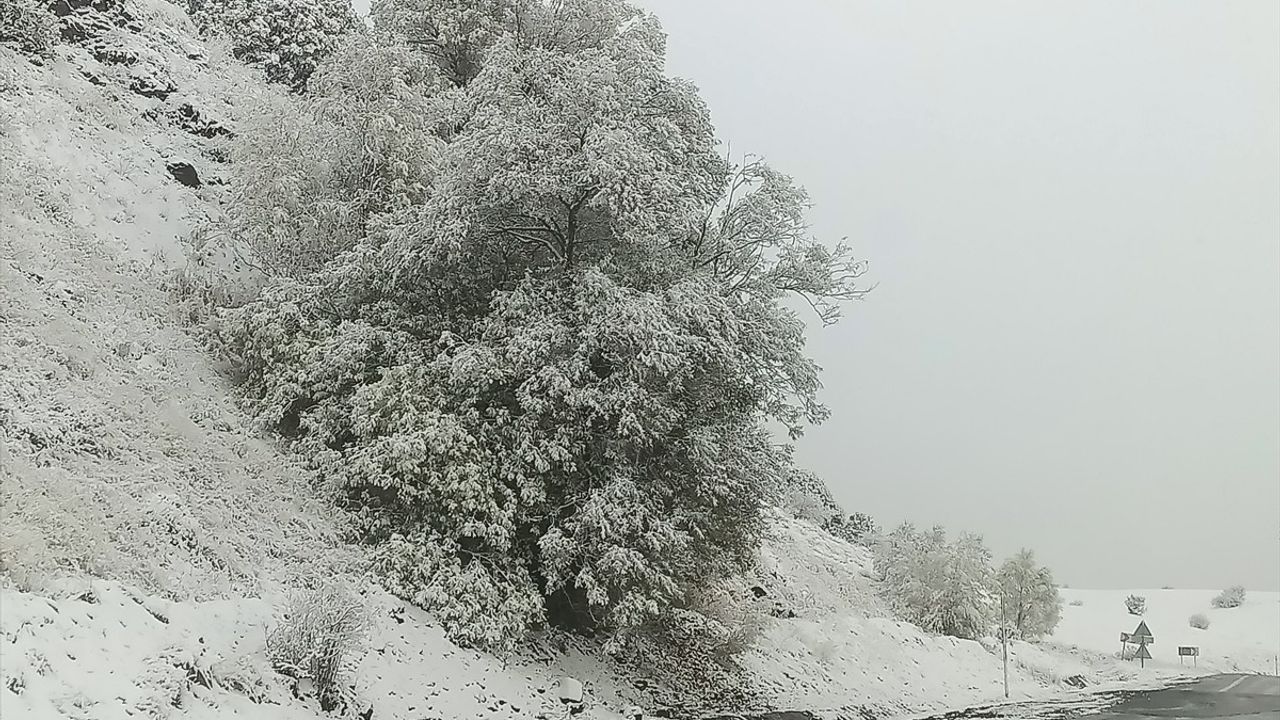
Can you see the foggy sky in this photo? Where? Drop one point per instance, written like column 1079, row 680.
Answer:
column 1072, row 212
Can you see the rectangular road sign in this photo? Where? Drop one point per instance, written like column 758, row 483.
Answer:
column 1124, row 637
column 1188, row 650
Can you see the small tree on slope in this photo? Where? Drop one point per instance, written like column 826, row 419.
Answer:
column 1032, row 604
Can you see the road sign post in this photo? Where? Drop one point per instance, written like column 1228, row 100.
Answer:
column 1190, row 651
column 1143, row 655
column 1004, row 643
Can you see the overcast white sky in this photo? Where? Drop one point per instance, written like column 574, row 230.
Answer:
column 1072, row 210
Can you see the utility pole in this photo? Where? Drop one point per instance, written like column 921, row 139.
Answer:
column 1004, row 642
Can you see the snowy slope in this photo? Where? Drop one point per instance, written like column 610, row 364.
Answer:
column 1245, row 639
column 122, row 450
column 844, row 654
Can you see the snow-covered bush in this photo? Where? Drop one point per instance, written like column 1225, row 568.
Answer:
column 944, row 587
column 1230, row 598
column 29, row 26
column 286, row 38
column 1199, row 621
column 318, row 636
column 804, row 495
column 1076, row 603
column 858, row 528
column 1032, row 606
column 525, row 321
column 1136, row 604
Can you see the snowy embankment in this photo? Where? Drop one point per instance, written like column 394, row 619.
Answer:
column 1241, row 639
column 844, row 653
column 127, row 469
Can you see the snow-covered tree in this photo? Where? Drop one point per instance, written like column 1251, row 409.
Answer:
column 539, row 346
column 286, row 38
column 944, row 587
column 1032, row 606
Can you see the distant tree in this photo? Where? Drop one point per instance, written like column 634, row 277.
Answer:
column 1200, row 621
column 944, row 587
column 1230, row 598
column 1032, row 604
column 1136, row 604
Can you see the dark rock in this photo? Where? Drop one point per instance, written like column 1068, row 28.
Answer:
column 1076, row 681
column 110, row 54
column 193, row 121
column 758, row 591
column 152, row 86
column 184, row 173
column 82, row 27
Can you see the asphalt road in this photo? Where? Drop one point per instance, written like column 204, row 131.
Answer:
column 1242, row 697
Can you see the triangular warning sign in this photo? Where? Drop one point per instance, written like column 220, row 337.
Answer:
column 1142, row 632
column 1143, row 653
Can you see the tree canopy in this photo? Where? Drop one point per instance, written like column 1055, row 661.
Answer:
column 524, row 318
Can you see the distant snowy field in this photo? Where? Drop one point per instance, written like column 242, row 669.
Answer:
column 1246, row 638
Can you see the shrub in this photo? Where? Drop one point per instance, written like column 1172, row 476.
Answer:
column 858, row 528
column 320, row 631
column 286, row 38
column 1136, row 604
column 1199, row 621
column 1230, row 598
column 1076, row 603
column 28, row 26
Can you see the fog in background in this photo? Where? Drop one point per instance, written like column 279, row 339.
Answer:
column 1072, row 212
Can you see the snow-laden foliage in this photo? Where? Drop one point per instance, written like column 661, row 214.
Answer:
column 28, row 26
column 526, row 322
column 1136, row 604
column 804, row 495
column 1230, row 598
column 1199, row 621
column 858, row 528
column 1032, row 606
column 944, row 587
column 318, row 637
column 286, row 38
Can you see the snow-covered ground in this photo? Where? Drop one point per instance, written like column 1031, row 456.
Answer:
column 1244, row 639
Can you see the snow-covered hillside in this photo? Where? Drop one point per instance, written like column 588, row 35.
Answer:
column 1241, row 639
column 150, row 537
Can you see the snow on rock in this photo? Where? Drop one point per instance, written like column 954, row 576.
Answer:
column 570, row 690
